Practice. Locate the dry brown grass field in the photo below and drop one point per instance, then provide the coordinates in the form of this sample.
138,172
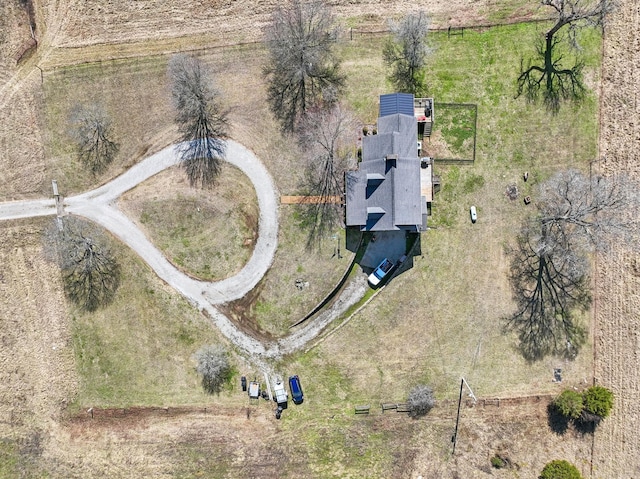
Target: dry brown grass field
55,361
617,281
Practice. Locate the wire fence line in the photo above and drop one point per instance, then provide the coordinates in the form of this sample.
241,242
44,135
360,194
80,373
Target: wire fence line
450,30
461,161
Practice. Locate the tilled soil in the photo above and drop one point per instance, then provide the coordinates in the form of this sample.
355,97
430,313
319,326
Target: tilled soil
617,308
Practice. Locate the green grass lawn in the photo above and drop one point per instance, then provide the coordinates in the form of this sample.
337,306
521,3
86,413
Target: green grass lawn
443,318
434,323
207,233
138,349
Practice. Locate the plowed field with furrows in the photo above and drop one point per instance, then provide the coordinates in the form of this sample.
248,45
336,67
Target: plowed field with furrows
617,309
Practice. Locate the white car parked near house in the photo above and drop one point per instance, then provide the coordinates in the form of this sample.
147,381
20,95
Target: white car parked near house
380,272
474,214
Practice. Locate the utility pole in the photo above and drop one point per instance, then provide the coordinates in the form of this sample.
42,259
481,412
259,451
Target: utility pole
454,439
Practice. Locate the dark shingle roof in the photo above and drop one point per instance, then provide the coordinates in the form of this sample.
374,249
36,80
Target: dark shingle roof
384,193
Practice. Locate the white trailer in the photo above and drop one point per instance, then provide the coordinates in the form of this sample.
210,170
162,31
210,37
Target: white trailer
280,394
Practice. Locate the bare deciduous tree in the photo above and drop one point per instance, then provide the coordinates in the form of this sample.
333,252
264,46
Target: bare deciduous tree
407,53
547,76
420,400
213,365
201,120
302,70
327,136
587,213
549,286
92,133
90,273
549,265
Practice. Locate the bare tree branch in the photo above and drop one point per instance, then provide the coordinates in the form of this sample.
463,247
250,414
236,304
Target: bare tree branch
546,76
213,365
549,265
91,130
90,273
202,121
327,136
407,53
588,214
421,400
302,70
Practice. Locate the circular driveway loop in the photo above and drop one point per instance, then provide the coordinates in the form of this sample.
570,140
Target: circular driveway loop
99,205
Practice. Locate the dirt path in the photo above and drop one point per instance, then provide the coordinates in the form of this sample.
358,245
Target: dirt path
616,450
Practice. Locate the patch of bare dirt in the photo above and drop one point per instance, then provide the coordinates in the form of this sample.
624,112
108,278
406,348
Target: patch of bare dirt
242,312
617,323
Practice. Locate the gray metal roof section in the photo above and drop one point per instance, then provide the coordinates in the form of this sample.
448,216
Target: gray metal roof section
397,135
384,194
394,103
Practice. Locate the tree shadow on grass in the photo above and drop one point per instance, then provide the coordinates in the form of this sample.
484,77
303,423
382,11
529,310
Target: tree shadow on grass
557,422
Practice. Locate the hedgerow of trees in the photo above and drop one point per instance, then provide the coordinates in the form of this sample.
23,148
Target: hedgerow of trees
214,367
202,121
90,271
590,406
302,70
406,53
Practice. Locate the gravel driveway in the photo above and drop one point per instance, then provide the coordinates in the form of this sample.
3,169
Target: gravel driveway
100,206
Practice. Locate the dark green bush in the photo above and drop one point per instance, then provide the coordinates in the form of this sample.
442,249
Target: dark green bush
560,469
598,400
569,404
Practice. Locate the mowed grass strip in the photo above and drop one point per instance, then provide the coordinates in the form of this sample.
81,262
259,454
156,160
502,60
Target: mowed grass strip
207,233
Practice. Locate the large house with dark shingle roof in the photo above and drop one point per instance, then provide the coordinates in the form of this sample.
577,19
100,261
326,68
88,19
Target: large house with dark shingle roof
384,193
